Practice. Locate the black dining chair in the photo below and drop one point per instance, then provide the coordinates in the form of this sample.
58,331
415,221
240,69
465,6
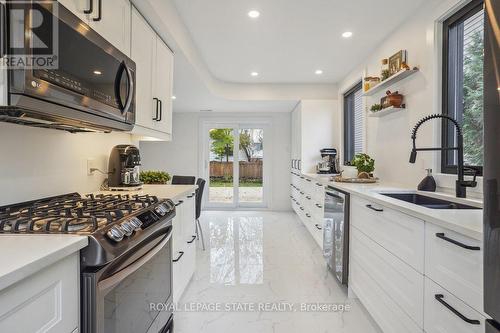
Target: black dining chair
199,196
183,180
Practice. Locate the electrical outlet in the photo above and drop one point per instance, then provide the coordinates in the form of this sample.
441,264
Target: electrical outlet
91,164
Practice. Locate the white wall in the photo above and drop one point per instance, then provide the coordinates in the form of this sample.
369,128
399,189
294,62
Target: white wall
38,163
182,155
388,138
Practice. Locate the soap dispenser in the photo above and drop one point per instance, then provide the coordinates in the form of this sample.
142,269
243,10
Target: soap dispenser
428,184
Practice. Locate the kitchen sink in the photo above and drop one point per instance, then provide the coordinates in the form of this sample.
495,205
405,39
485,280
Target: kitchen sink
429,202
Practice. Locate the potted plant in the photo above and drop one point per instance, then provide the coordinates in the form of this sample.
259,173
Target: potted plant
376,107
364,164
154,177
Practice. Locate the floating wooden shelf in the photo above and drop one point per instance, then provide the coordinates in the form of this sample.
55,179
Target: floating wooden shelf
384,112
390,81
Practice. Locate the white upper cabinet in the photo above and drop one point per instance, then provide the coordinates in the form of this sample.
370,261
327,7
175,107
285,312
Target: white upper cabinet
154,67
111,19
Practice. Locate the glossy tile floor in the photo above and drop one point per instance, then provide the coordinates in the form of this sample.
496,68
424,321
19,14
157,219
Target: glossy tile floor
263,272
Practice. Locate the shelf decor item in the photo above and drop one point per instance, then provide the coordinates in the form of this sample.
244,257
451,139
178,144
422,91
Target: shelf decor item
376,107
394,99
154,177
397,62
370,82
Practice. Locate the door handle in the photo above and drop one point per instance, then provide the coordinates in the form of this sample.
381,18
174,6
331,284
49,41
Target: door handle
179,257
99,13
130,88
319,206
375,209
440,299
457,243
3,33
318,227
192,240
156,110
308,197
308,215
90,9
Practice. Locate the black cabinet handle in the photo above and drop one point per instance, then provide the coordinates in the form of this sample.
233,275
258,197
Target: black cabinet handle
440,299
462,245
318,227
307,179
298,203
192,240
157,106
302,193
301,208
309,216
375,209
190,196
99,15
318,184
161,110
91,8
179,203
319,206
302,177
179,257
308,197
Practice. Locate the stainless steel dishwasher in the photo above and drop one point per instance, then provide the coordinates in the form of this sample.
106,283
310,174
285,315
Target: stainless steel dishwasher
336,233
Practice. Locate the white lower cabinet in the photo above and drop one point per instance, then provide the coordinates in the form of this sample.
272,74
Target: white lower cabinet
307,201
48,301
445,313
184,245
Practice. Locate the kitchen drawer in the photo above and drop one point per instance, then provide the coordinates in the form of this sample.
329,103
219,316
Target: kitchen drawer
388,315
400,234
400,282
441,319
458,269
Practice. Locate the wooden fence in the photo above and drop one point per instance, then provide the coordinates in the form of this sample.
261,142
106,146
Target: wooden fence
248,170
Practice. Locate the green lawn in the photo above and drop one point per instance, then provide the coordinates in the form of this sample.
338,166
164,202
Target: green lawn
229,183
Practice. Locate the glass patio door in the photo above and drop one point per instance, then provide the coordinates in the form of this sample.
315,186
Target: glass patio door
234,165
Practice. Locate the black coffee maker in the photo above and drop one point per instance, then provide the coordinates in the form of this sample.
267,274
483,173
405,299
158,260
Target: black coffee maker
123,168
329,162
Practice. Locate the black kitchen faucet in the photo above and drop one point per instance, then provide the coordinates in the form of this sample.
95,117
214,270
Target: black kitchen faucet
461,184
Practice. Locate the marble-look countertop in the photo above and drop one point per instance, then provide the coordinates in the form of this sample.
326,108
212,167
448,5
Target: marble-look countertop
173,192
24,255
466,222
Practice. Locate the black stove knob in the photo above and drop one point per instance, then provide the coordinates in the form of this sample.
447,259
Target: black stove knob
115,233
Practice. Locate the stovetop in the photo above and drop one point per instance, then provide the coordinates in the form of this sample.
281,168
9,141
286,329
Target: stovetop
75,214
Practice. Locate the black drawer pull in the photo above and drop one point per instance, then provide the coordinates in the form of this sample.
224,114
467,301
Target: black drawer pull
462,245
192,240
90,10
308,197
298,203
179,257
301,192
190,196
318,227
99,15
318,184
301,208
302,177
308,215
179,203
440,299
319,206
375,209
308,180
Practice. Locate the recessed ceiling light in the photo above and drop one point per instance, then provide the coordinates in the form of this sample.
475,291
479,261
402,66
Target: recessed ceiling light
318,72
347,34
96,72
253,14
173,97
254,74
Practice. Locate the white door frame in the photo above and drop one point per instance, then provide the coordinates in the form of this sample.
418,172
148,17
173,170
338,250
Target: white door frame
236,125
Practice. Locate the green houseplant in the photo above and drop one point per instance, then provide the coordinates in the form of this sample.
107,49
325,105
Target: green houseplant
364,163
154,177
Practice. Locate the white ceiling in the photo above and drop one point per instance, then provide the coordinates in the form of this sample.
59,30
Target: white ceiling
291,38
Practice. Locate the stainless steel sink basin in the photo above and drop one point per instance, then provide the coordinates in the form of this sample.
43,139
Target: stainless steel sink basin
429,202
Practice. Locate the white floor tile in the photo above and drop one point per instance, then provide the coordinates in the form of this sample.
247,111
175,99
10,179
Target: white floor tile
257,259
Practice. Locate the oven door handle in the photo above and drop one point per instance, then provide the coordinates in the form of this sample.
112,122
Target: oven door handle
115,279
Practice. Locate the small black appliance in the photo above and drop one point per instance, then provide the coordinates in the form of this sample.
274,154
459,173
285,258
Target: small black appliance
123,168
329,163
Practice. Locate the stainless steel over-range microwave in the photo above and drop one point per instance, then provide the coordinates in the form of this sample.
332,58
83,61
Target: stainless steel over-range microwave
91,85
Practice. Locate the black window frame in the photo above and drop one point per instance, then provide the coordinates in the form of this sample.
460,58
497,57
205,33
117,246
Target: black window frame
349,123
448,131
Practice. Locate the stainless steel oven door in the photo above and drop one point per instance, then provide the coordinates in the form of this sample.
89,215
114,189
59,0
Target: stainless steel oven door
135,299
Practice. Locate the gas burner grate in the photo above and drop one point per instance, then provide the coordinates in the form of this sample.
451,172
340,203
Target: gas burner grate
71,213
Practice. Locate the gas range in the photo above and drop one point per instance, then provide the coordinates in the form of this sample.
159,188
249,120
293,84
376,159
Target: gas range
129,239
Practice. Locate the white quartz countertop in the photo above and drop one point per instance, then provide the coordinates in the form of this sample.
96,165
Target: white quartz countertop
173,192
24,255
464,221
